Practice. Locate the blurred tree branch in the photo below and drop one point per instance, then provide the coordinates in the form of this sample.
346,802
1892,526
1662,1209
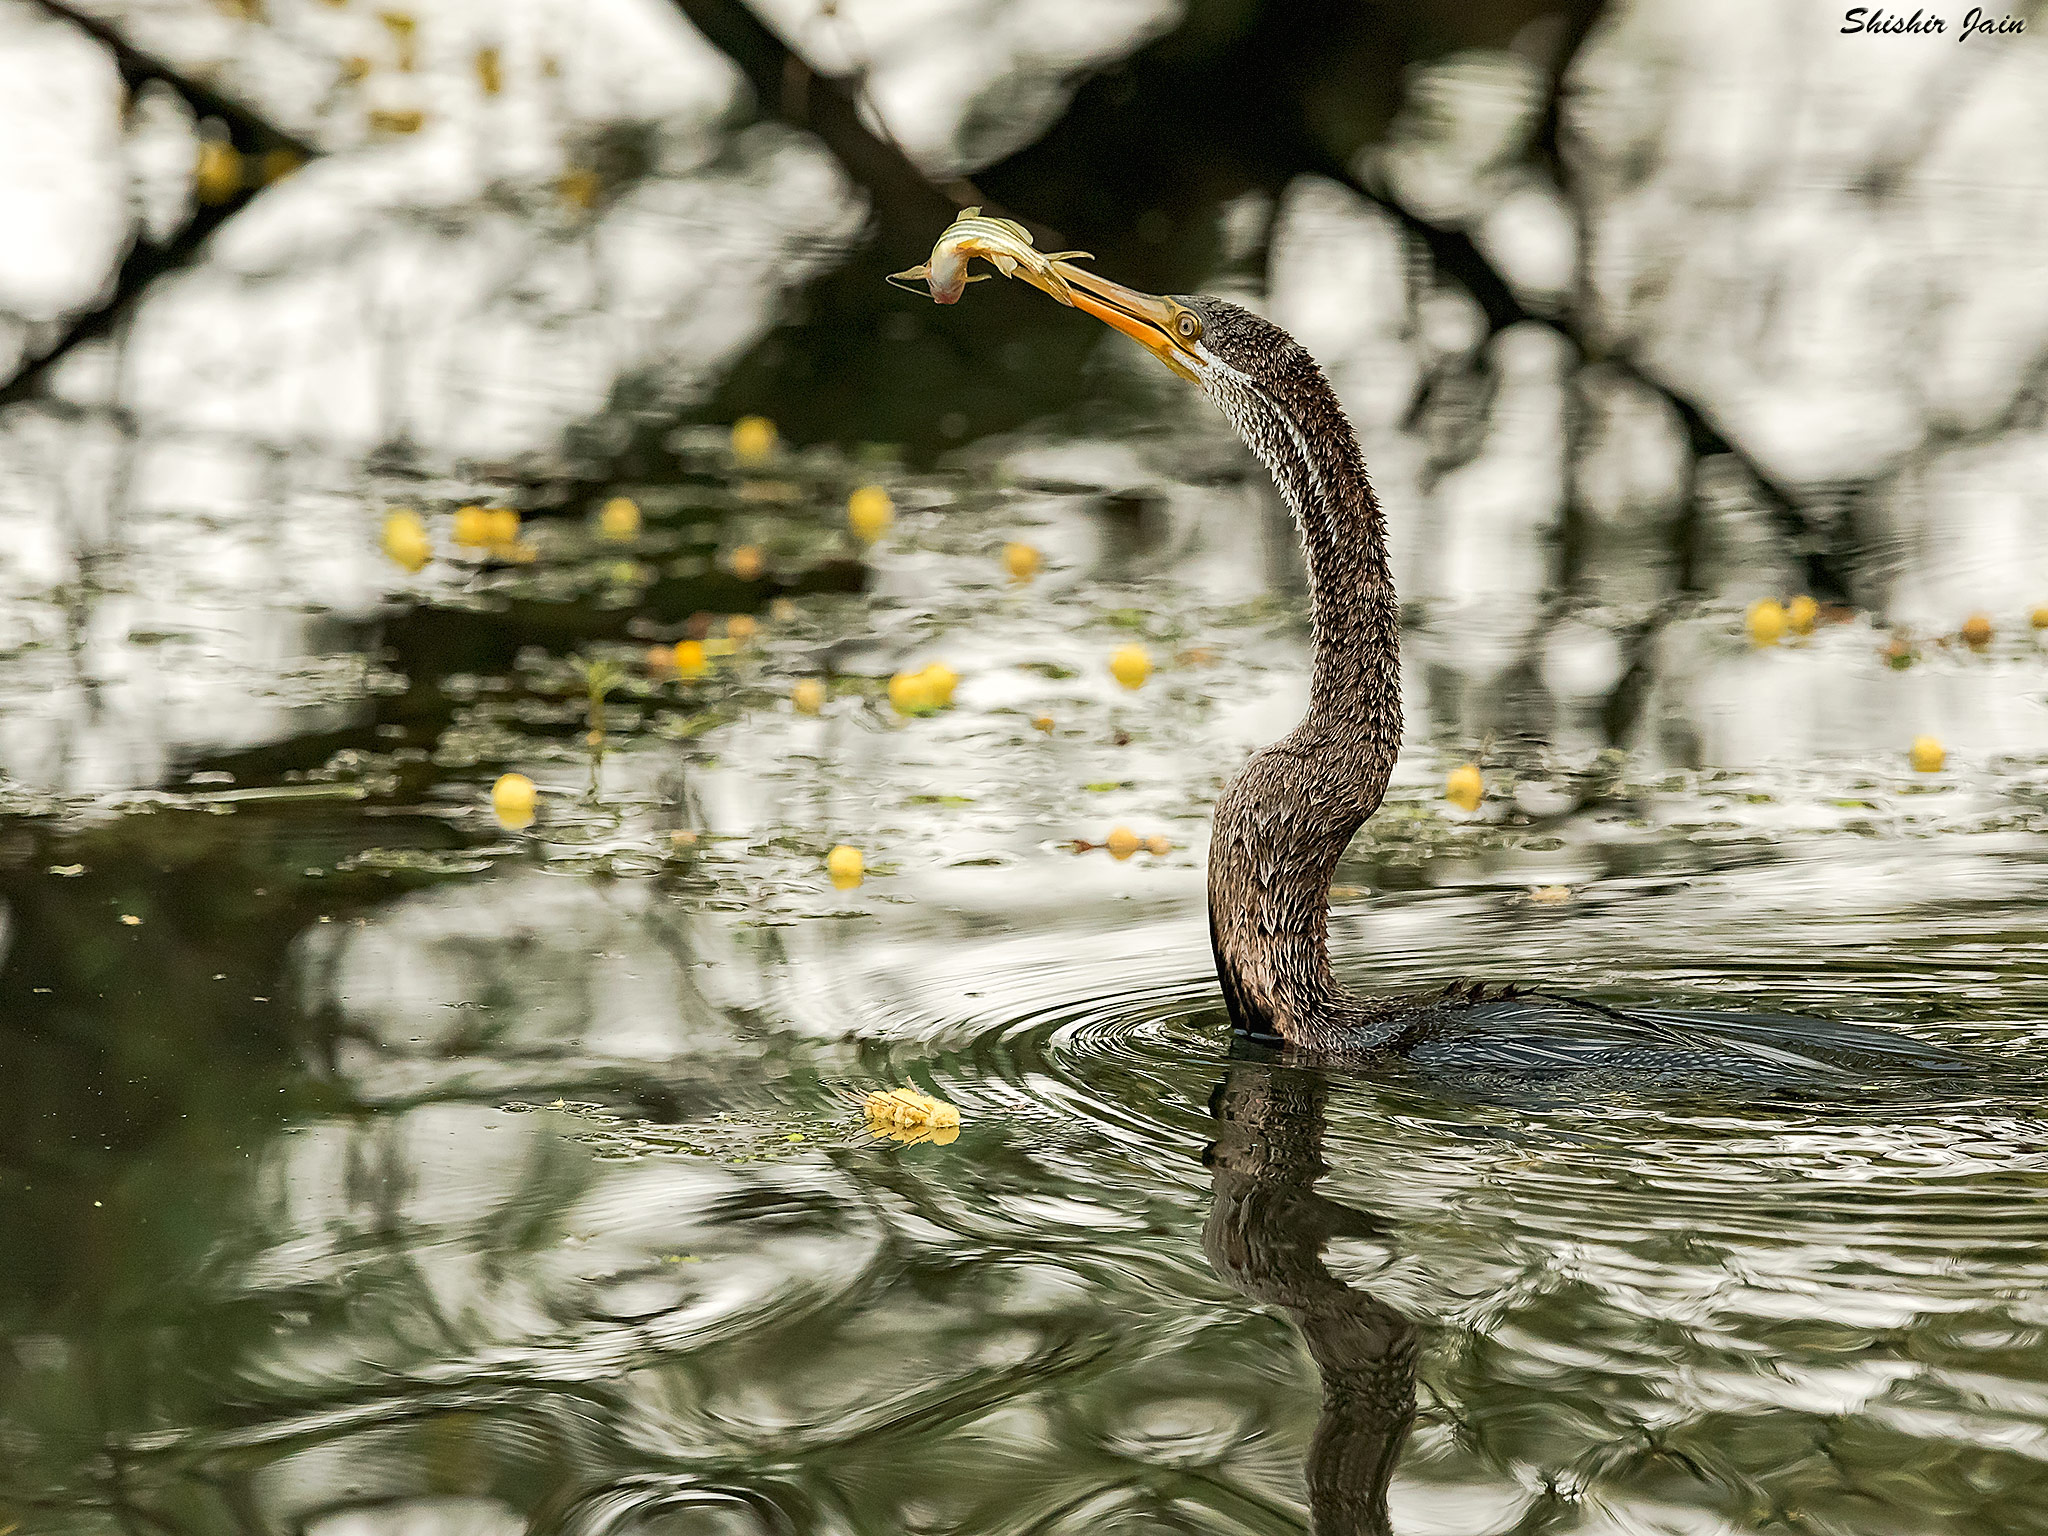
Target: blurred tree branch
903,198
252,136
910,208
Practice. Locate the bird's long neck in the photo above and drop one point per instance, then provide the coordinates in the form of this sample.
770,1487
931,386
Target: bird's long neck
1284,822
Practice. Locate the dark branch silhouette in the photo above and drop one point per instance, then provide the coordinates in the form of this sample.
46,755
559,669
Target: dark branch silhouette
147,260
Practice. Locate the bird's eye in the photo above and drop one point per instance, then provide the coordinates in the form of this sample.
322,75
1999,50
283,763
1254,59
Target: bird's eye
1189,326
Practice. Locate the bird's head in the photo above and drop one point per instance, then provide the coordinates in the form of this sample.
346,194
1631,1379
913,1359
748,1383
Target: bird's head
1206,340
1264,380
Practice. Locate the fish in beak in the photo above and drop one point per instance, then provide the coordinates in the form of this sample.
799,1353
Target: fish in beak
1163,327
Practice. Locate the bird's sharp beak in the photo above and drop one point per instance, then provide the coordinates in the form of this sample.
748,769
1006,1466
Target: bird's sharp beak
1153,322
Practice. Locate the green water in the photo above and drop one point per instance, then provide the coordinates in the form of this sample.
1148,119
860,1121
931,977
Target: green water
393,1173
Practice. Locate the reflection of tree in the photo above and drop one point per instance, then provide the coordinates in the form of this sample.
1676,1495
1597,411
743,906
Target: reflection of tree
149,259
1266,1232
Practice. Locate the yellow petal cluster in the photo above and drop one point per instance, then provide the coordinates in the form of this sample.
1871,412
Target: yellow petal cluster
869,512
1131,665
1464,787
753,440
405,539
512,801
846,866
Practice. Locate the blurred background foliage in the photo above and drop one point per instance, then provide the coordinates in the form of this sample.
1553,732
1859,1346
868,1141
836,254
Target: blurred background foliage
384,1171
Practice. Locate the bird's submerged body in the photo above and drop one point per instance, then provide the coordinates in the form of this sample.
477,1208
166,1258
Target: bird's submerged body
1285,820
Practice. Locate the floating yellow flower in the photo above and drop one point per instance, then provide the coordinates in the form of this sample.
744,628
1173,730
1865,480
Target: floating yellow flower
474,527
1928,755
405,539
1464,788
1042,723
504,525
741,628
1021,561
1158,846
1977,631
910,693
807,696
1122,842
619,518
909,1115
940,680
748,563
1766,621
2039,617
1800,613
753,440
869,512
512,800
689,658
1550,895
1131,665
660,658
217,174
845,866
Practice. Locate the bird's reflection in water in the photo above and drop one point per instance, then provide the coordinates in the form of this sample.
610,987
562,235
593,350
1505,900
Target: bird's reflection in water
1266,1233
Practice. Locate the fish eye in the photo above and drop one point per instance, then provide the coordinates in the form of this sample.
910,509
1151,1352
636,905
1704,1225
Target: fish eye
1189,326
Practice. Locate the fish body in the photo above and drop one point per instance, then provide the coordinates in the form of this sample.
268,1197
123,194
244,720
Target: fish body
1003,243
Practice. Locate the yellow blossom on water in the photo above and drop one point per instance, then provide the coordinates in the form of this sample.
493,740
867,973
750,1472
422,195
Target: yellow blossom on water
512,800
807,695
1042,723
620,518
1131,665
910,693
869,512
131,919
940,680
1928,755
1800,613
1766,621
911,1117
753,440
845,866
1122,842
660,658
689,658
741,628
217,174
1977,631
1021,561
474,527
1550,895
504,525
405,538
490,72
1158,846
1464,788
748,563
2039,617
